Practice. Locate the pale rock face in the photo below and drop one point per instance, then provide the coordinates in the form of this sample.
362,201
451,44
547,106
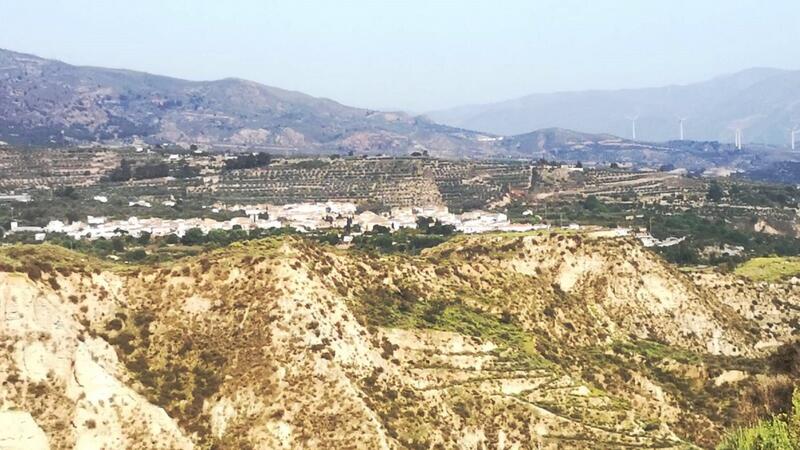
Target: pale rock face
472,439
573,269
221,414
730,376
581,391
35,360
195,305
108,413
22,314
18,431
763,227
47,350
251,136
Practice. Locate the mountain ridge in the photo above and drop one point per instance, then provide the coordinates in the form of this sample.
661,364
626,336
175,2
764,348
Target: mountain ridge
709,105
49,102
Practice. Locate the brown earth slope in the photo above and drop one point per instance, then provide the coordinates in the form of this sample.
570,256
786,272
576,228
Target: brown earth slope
492,341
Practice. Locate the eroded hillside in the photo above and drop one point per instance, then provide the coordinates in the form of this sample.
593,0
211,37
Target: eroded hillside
493,341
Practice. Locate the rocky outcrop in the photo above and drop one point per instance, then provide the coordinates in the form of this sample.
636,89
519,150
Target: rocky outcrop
68,379
18,431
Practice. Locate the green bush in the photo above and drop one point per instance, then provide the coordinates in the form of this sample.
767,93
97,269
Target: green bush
193,236
715,192
136,255
781,432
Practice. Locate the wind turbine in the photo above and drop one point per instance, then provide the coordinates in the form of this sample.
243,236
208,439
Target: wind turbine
680,125
633,120
794,131
738,138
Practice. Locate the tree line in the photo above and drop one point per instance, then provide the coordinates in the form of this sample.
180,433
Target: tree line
126,171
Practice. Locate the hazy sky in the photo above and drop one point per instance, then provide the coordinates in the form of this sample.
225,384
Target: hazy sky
414,54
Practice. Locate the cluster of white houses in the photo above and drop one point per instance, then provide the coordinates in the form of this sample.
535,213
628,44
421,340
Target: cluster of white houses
306,217
302,216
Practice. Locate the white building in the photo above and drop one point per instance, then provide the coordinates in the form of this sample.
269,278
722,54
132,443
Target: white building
649,241
620,232
22,198
55,226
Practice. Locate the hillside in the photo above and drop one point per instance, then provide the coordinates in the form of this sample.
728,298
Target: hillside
762,102
481,341
46,102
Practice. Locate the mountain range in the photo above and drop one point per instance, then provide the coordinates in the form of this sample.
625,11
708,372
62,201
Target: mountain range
46,102
763,102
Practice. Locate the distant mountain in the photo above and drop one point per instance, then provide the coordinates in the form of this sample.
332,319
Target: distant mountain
763,102
46,102
50,103
566,145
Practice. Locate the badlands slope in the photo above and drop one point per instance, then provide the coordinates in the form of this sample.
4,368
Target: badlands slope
493,341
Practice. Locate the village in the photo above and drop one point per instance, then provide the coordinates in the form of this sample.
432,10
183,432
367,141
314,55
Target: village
81,194
309,217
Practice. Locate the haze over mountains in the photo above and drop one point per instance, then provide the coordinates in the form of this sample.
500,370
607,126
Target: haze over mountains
46,102
763,102
53,104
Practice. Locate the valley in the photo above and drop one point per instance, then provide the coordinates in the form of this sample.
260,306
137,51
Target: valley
254,301
193,258
116,195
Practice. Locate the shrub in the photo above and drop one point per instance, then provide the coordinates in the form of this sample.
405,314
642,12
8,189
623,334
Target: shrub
248,161
193,236
780,432
136,255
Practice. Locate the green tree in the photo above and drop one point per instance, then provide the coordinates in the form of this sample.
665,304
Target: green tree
186,171
715,191
380,229
118,244
219,237
66,192
136,255
102,246
592,203
144,238
441,229
122,173
193,236
423,223
383,242
72,216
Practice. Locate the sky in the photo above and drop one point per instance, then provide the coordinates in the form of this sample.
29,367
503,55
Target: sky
415,55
